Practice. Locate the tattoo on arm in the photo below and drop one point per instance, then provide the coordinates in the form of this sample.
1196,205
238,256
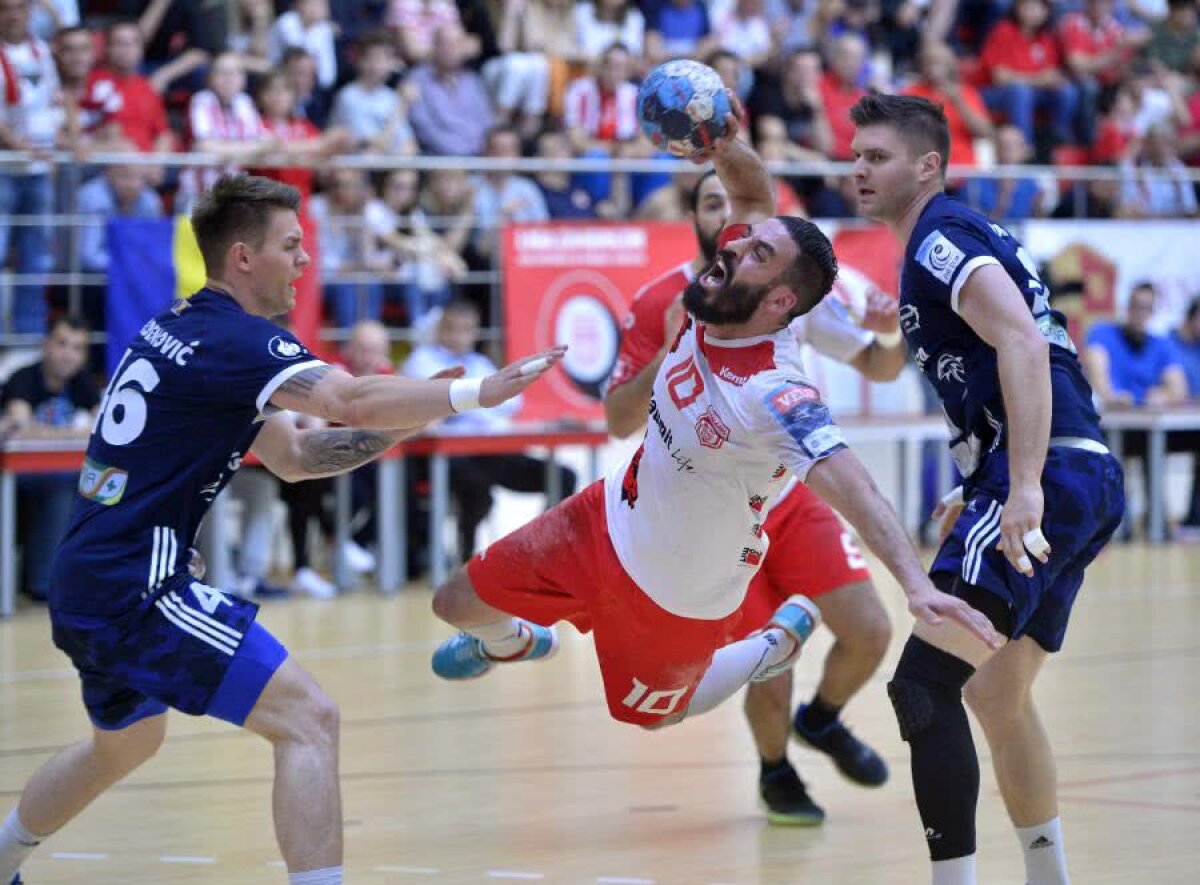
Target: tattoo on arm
302,383
325,452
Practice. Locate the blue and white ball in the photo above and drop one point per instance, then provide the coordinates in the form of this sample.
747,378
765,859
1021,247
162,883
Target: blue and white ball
682,107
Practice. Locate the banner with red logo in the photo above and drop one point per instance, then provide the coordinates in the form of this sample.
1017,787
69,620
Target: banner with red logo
571,283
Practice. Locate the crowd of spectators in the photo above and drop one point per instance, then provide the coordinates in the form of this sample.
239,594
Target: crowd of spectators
264,83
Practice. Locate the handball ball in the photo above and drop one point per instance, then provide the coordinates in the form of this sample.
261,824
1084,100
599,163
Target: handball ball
682,107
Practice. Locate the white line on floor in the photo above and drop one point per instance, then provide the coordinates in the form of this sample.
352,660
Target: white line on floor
179,858
622,880
504,874
78,855
419,871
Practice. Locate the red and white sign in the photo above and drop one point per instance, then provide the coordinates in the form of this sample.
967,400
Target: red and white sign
571,283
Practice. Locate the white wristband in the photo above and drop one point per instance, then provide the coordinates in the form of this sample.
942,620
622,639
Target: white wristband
464,393
889,339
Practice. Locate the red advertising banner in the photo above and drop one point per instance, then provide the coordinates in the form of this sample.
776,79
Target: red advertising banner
571,283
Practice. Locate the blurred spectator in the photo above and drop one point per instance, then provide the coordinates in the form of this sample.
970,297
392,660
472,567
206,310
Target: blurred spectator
672,201
299,140
792,109
346,218
742,29
1116,128
1097,48
312,102
476,18
786,201
29,122
308,26
54,398
1009,198
451,112
519,80
182,37
257,491
965,111
370,109
74,55
900,34
1186,339
415,24
306,502
1094,199
1189,133
1154,183
563,198
1175,39
427,262
368,352
249,30
600,113
840,89
121,192
125,102
223,121
502,197
51,16
677,29
448,199
602,23
1127,365
472,478
737,77
546,30
789,21
1023,65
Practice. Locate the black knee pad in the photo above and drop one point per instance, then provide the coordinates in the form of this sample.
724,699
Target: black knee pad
927,681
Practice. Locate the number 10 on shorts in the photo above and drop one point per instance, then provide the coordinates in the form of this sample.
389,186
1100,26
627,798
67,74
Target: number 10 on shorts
654,703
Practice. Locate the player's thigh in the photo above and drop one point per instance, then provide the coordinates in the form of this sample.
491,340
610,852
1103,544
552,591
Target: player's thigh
129,746
854,613
292,706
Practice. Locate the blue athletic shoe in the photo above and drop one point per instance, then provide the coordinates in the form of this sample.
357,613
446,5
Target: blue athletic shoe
463,657
799,619
16,880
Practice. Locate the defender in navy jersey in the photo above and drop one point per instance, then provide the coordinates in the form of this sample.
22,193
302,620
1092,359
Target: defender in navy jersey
1039,483
196,390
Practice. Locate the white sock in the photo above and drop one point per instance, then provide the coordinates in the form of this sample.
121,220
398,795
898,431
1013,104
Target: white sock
957,871
1045,860
503,639
16,844
735,664
327,876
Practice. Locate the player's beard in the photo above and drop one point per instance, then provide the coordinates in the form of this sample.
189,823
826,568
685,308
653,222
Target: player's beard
708,244
731,305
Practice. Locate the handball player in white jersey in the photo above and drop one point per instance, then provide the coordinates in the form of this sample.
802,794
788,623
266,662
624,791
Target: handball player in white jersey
812,553
656,558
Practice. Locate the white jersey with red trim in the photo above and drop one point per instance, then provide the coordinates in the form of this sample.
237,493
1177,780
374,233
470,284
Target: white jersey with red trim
729,420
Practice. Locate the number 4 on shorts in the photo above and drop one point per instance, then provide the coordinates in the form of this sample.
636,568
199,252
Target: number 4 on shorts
210,598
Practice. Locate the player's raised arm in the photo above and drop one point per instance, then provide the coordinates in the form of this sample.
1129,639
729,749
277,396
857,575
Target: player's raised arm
747,181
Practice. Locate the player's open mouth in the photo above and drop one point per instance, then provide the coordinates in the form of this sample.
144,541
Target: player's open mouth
863,193
715,276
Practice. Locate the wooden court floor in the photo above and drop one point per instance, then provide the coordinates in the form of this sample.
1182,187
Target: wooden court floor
522,776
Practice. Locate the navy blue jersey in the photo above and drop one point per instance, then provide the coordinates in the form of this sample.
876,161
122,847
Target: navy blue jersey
949,242
183,407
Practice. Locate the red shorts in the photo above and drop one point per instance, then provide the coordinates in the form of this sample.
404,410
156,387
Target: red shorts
811,553
562,567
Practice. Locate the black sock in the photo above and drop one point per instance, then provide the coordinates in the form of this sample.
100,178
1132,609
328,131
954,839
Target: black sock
819,714
766,769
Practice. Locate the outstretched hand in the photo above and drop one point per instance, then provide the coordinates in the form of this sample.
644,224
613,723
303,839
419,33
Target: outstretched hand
733,128
932,606
516,376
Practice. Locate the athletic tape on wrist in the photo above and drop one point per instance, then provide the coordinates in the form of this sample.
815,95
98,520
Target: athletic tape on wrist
889,339
464,393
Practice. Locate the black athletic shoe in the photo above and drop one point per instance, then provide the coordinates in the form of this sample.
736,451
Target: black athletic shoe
787,801
853,758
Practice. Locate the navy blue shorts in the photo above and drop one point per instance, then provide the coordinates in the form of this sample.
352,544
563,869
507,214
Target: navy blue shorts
187,646
1085,502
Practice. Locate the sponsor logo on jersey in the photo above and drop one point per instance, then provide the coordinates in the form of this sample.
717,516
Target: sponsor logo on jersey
780,472
283,349
167,344
950,368
823,440
910,318
102,484
712,431
757,502
684,383
750,556
756,530
732,377
663,430
682,462
939,256
785,398
921,357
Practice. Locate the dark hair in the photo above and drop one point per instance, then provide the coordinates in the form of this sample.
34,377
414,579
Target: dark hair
502,129
695,196
458,304
375,40
920,122
812,274
269,79
72,321
1144,284
720,55
118,23
1193,309
292,53
238,209
70,31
